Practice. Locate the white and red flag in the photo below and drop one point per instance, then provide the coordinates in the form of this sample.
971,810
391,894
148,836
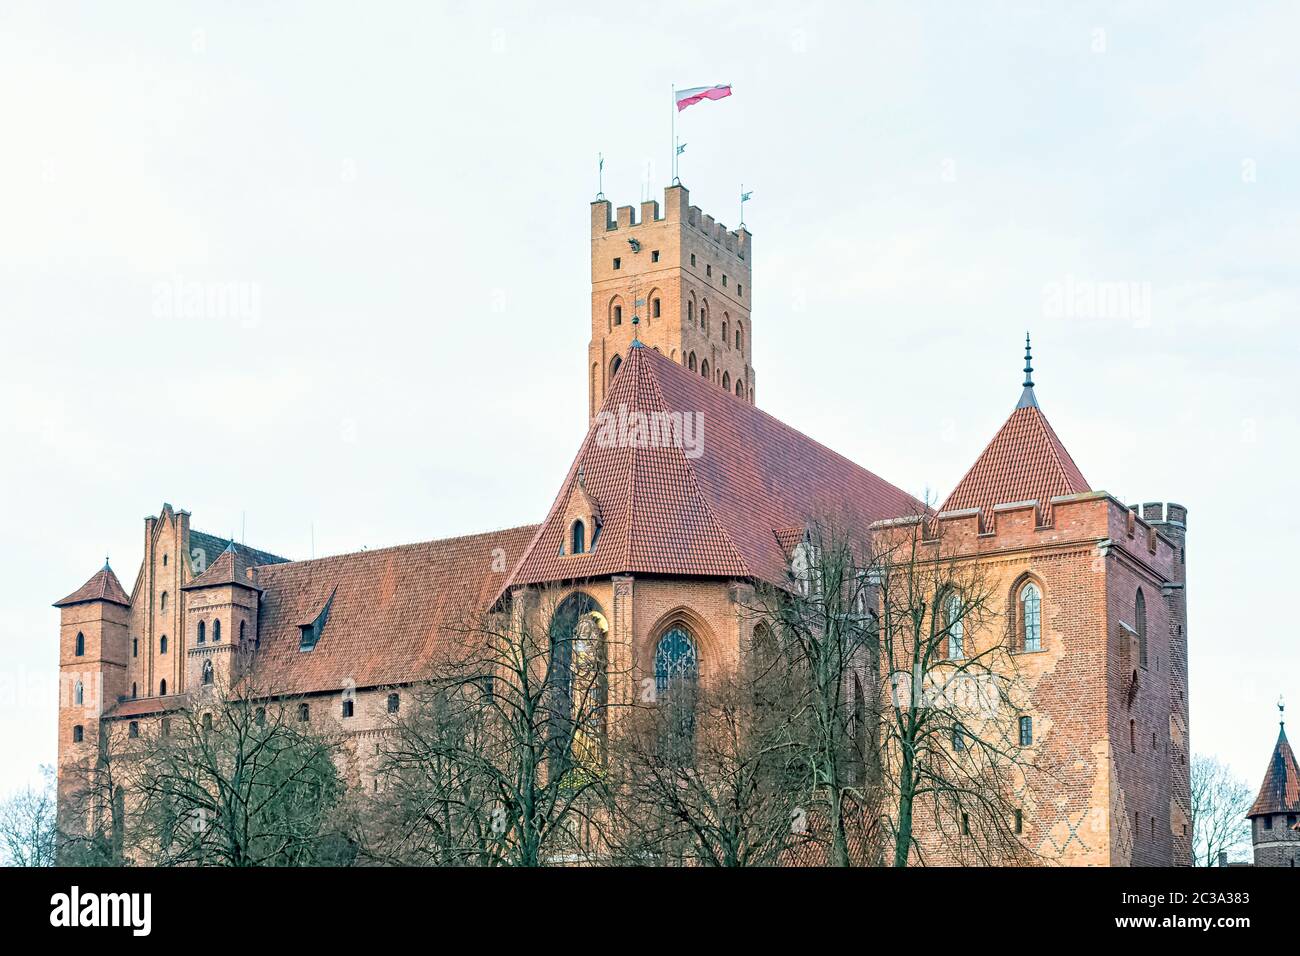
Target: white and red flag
692,96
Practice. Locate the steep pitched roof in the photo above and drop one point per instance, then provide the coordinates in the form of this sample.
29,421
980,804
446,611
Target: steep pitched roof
1025,461
710,503
1280,792
391,613
213,545
103,586
231,567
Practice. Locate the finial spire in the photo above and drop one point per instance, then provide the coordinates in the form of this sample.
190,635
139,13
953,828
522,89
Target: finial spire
636,321
106,567
1281,711
1027,399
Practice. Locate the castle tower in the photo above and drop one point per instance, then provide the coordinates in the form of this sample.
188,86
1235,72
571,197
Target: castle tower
93,623
221,616
678,281
1275,815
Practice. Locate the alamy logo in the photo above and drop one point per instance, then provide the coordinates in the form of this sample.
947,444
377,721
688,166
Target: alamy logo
103,909
684,430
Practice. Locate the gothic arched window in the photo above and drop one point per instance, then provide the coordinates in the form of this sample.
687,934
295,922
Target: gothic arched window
162,645
81,644
163,602
1031,617
207,672
79,693
579,539
162,688
203,632
676,661
690,362
704,368
740,336
740,388
614,366
1140,622
216,631
726,381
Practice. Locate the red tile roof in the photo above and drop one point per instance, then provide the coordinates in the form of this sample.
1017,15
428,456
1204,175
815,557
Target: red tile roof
393,610
1025,461
103,586
713,514
231,567
1280,792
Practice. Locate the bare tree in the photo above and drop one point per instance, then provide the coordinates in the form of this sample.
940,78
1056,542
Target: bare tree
710,775
504,759
28,828
1220,802
236,778
951,757
824,640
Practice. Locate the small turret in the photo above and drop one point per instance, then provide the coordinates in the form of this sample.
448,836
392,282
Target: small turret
1275,815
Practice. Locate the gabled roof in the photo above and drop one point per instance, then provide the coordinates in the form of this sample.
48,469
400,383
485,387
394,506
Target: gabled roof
709,504
1025,461
1280,792
231,567
103,586
393,610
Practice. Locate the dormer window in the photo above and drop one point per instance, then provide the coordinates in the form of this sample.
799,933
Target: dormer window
310,631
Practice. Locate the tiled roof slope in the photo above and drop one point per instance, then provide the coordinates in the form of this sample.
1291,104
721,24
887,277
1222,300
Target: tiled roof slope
213,545
231,567
391,613
1025,461
1280,792
103,586
716,514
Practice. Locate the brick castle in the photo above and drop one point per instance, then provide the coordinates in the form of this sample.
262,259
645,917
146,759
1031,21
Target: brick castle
668,540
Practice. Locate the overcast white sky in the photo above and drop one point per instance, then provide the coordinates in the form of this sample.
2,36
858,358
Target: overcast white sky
403,190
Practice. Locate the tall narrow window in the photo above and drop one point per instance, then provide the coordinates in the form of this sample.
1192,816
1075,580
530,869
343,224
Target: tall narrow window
1031,617
704,368
579,537
162,688
726,381
956,629
303,713
81,644
614,366
690,362
654,310
135,647
79,694
216,631
135,690
1140,622
677,669
348,708
1020,821
1026,731
207,672
162,644
241,633
618,315
394,703
1132,736
203,632
133,729
740,336
164,601
77,734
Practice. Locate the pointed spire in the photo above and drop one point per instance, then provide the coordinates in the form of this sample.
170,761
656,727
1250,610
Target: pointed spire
1281,713
106,567
1027,399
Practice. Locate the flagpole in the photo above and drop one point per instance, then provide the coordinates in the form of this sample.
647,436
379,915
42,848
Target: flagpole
672,162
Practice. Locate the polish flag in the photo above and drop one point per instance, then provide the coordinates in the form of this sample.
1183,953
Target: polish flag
690,97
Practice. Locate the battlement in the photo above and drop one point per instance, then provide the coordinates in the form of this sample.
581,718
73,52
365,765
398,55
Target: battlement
676,210
1154,530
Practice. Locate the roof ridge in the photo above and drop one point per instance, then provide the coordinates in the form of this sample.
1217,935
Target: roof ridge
713,517
789,428
397,547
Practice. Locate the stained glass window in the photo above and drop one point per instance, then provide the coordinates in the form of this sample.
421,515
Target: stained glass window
1031,602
